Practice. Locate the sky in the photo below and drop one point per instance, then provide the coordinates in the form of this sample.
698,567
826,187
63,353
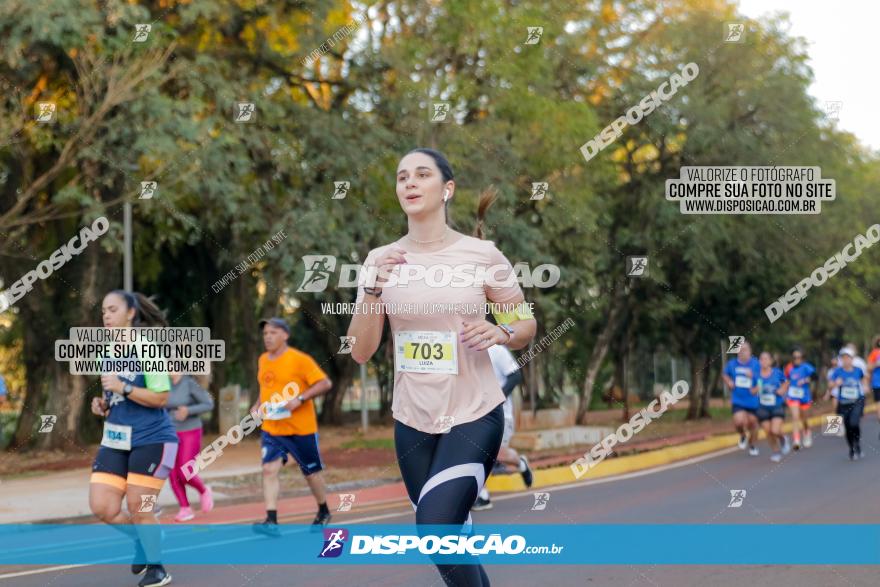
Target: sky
841,37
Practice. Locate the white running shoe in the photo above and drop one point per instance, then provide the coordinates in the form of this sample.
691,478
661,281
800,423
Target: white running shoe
753,451
743,442
786,445
808,440
776,457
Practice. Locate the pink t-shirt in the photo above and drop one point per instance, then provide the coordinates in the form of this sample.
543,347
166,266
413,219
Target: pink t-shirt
426,401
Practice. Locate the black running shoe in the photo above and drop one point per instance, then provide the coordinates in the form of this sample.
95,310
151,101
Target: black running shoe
268,528
155,577
527,476
138,568
481,504
321,518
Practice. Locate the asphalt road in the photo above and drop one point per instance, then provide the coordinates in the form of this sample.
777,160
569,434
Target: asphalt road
815,486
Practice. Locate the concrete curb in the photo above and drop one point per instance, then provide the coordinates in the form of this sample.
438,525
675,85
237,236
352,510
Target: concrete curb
617,466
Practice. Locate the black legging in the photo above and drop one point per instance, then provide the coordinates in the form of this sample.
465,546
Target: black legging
852,413
443,474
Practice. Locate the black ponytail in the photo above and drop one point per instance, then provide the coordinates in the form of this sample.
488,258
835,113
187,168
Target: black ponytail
146,312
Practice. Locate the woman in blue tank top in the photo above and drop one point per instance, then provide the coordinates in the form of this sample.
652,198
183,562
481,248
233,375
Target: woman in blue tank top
139,443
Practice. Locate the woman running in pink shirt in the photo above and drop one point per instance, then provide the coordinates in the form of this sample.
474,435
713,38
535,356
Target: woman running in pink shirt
447,403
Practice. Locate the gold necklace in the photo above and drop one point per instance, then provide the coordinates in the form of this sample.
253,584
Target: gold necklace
431,241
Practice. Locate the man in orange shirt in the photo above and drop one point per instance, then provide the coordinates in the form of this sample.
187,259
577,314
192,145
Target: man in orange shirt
289,427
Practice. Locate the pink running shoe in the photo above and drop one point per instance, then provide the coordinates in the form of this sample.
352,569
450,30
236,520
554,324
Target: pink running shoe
207,500
184,515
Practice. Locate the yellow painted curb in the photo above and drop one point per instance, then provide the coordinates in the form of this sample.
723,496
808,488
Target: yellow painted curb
617,466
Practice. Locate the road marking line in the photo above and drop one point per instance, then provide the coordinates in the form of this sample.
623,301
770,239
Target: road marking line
507,496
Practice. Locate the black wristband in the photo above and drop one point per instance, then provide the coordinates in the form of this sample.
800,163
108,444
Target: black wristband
373,291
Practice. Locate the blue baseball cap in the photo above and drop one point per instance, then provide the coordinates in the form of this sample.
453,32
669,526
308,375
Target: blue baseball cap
277,322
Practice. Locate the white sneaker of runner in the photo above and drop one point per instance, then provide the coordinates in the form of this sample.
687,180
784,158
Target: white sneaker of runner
776,457
786,445
808,440
753,451
743,442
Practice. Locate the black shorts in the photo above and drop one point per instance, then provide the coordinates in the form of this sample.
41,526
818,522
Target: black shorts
765,413
146,466
877,394
736,408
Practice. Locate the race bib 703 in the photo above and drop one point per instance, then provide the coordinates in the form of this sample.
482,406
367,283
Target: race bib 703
426,351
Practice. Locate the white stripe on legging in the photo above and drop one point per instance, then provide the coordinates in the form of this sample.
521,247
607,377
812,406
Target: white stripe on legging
474,470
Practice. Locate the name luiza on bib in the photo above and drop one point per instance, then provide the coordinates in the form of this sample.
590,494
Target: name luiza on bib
116,436
426,351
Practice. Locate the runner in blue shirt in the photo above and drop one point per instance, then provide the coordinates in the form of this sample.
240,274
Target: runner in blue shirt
849,383
770,390
874,372
741,375
139,442
799,399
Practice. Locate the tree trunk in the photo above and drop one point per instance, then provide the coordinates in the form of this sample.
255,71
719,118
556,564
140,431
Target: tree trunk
698,394
597,355
69,395
331,409
37,363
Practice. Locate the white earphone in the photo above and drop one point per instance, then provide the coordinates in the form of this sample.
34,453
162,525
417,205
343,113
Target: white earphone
445,195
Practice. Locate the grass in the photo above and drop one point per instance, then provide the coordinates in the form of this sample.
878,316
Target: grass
716,413
376,443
